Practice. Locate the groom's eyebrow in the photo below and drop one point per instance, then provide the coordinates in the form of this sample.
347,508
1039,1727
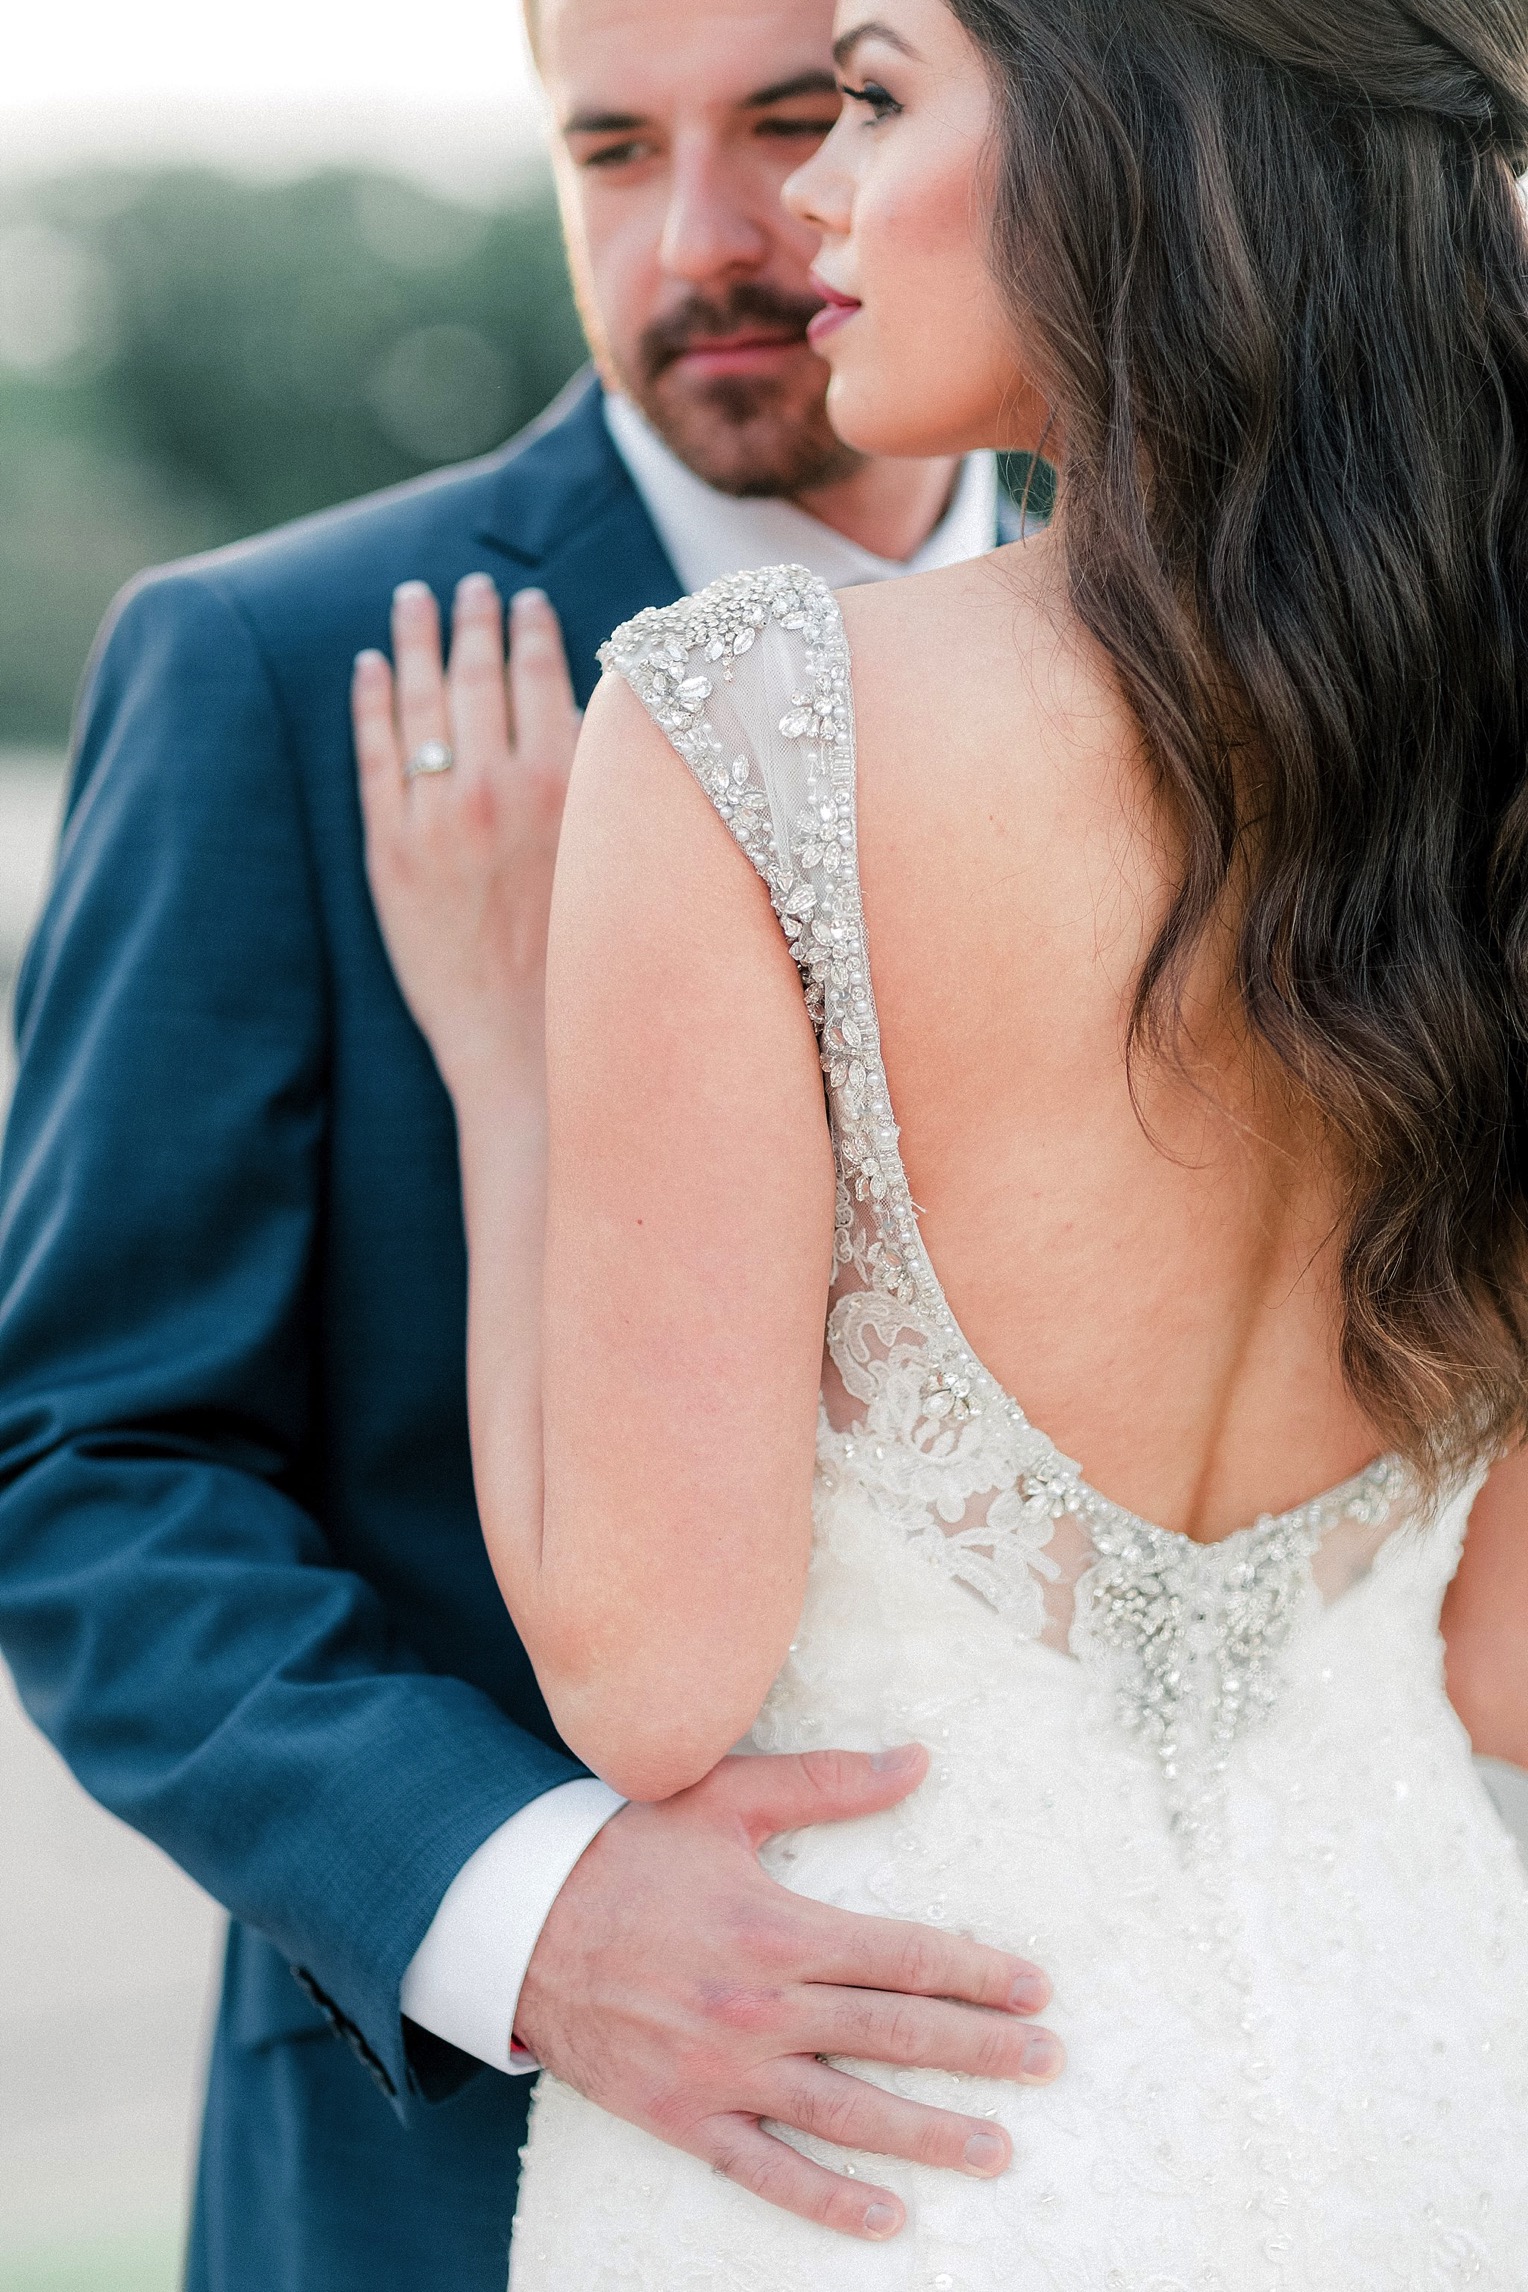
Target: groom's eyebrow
799,85
845,45
602,123
792,90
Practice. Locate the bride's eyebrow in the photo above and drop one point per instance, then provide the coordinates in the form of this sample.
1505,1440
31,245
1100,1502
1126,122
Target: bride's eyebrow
845,45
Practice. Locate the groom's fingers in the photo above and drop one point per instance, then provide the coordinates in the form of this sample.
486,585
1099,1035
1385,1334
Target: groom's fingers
852,1951
794,1791
925,2033
736,2147
814,2098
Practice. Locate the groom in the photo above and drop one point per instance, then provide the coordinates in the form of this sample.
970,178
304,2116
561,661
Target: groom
241,1581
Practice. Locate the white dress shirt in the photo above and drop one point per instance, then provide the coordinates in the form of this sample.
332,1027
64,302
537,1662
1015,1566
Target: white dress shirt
707,533
464,1980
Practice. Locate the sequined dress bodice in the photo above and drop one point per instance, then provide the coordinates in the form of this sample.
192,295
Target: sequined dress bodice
1216,1790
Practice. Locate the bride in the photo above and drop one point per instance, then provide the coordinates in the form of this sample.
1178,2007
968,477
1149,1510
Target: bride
1149,903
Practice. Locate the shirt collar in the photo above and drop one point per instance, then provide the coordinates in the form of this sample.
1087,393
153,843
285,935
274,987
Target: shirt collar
707,533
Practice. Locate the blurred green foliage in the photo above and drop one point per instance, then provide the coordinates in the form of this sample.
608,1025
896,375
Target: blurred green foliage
185,358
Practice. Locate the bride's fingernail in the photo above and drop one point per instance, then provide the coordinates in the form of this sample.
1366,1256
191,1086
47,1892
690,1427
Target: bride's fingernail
986,2154
475,585
529,597
407,592
1031,1993
880,2220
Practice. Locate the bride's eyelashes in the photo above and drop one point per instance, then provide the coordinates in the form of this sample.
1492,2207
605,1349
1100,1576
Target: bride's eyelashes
880,103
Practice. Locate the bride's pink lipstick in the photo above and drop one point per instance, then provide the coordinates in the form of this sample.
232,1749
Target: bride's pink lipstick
837,311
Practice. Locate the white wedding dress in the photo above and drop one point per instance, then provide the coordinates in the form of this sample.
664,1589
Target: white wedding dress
1217,1792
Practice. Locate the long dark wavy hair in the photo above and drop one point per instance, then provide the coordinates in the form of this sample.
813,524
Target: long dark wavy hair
1272,260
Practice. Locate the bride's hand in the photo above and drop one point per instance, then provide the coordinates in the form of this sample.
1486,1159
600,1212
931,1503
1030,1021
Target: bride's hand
461,860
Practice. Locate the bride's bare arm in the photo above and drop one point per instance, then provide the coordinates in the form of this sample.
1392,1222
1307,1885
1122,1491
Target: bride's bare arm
1485,1618
689,1250
643,1450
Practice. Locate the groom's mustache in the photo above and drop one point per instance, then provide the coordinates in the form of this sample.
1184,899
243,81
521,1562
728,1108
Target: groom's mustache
750,308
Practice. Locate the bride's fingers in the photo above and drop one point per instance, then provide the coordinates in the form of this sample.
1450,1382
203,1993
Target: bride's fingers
475,681
418,675
853,2115
544,712
378,755
736,2147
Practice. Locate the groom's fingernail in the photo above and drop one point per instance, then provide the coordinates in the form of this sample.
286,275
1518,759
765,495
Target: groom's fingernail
1043,2056
1031,1993
880,2220
986,2154
892,1762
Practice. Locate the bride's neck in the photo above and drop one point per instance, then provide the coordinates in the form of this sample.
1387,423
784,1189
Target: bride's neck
887,507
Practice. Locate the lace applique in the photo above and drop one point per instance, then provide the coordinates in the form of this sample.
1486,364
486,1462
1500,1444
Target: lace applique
955,1486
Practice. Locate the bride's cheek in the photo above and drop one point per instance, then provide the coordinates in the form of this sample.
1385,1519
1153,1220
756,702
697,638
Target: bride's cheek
917,372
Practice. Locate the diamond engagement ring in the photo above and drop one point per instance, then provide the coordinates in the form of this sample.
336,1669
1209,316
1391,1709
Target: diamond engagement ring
434,756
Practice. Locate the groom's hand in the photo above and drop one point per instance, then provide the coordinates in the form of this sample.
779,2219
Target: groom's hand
679,1987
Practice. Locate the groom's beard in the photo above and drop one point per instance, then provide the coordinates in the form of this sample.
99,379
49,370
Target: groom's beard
751,435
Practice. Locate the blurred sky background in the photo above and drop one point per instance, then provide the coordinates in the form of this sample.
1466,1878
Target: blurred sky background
252,261
445,95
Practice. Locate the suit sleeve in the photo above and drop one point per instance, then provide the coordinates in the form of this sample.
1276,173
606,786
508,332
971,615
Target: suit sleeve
175,1620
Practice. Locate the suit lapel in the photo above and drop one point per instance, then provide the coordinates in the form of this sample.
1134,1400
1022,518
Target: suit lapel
566,515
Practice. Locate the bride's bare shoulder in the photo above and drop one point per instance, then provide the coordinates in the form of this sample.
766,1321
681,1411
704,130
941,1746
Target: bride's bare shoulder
1023,576
988,646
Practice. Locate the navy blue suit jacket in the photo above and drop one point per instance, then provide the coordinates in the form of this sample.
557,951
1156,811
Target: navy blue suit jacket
242,1585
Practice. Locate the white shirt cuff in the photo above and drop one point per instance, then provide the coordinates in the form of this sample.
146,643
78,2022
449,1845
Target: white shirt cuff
464,1980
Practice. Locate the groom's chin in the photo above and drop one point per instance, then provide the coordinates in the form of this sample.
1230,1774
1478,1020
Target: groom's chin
751,435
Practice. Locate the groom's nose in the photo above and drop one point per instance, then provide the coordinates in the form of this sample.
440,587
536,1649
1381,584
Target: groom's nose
715,224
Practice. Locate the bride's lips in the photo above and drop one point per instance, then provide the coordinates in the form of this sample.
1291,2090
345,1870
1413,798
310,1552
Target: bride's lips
752,350
837,311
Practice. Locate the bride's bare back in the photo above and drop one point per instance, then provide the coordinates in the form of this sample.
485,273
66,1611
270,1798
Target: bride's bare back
1155,1278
